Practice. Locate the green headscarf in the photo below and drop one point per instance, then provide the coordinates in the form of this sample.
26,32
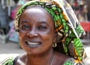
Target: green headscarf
66,25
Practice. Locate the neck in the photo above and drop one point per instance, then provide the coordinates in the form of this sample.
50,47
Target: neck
43,59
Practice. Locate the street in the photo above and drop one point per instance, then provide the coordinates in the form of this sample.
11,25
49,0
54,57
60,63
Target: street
10,48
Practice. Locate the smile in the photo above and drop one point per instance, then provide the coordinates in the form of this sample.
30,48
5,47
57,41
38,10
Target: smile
33,44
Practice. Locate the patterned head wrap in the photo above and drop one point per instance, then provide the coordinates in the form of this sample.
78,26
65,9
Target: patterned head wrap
66,25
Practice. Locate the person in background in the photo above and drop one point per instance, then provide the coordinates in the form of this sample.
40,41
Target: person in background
12,35
49,34
88,9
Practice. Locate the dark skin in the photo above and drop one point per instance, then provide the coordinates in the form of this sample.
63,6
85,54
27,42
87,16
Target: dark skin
37,34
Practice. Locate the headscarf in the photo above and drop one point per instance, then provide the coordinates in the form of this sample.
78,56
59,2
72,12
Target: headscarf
66,24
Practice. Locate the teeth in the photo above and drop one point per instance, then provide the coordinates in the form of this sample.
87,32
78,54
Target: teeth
32,43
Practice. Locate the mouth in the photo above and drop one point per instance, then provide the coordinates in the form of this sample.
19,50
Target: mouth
33,44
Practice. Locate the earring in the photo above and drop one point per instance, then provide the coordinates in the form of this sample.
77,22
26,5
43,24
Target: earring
54,45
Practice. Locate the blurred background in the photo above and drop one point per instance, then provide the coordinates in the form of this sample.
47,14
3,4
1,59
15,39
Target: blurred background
9,39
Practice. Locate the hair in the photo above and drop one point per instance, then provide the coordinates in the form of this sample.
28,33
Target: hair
68,41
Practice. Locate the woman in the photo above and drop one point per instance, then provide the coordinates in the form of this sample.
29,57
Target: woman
48,35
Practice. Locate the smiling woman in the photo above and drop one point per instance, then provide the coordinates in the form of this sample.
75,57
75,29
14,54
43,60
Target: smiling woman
49,34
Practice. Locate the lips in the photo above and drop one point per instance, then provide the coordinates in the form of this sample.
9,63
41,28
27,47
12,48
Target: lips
33,44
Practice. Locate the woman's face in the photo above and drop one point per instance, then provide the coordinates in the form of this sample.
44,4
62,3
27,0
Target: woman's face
37,32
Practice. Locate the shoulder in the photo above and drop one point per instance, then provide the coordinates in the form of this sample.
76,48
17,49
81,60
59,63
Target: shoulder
21,59
14,60
71,61
62,59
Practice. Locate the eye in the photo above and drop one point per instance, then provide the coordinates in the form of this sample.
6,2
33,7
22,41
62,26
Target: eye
25,27
42,27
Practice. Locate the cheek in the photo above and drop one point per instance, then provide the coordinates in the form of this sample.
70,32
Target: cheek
48,37
22,35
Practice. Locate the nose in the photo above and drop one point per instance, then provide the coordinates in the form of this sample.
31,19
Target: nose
32,33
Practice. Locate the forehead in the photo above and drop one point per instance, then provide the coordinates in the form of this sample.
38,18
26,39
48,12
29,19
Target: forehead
37,12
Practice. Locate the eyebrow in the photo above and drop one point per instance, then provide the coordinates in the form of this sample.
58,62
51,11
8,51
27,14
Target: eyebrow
23,21
44,22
